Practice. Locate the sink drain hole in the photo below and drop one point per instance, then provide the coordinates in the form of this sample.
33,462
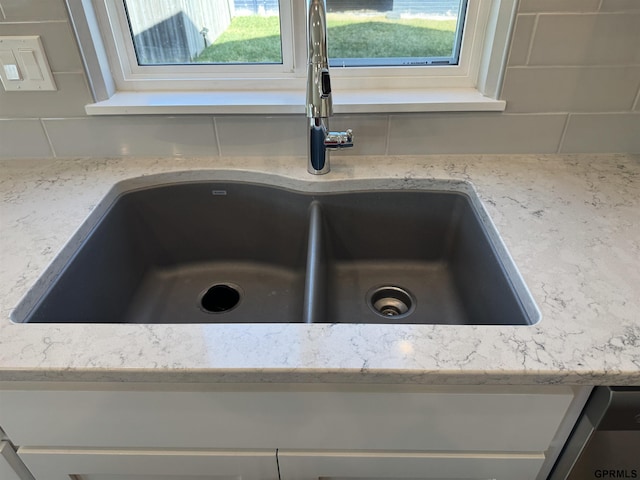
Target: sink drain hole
220,298
391,302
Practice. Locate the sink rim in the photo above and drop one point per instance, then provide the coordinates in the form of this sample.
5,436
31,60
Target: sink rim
463,187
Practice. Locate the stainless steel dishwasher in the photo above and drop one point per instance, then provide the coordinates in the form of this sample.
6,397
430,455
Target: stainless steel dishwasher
605,443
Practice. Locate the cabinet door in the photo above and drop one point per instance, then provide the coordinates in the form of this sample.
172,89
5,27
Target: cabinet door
301,465
111,464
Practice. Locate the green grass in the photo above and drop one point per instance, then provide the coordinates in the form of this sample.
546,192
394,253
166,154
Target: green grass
247,40
379,37
257,39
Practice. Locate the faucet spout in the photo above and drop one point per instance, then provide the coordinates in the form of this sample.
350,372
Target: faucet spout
319,104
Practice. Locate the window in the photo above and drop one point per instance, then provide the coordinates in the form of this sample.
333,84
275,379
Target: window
395,32
205,31
252,46
362,32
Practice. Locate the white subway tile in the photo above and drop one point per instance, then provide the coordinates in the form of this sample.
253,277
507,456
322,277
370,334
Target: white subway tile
602,133
30,10
589,39
58,41
475,133
570,89
23,138
132,135
287,135
68,101
535,6
521,40
261,135
620,6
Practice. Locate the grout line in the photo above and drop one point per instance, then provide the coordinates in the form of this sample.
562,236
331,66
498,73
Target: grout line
568,66
515,114
46,134
564,133
534,31
30,22
215,134
66,72
573,12
387,139
567,112
636,102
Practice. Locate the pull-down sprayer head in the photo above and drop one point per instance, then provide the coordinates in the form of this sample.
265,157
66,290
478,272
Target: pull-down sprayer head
319,103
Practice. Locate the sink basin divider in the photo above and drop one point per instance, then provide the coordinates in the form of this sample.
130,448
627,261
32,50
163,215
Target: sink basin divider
316,274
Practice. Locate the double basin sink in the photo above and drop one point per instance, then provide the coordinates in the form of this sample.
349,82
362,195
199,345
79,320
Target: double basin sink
195,248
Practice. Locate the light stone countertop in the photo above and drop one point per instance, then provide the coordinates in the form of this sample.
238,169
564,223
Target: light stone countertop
571,223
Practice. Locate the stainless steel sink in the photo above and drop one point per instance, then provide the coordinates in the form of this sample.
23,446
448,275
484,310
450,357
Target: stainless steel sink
161,250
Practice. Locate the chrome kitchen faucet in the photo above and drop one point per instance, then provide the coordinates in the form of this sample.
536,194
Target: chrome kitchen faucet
319,103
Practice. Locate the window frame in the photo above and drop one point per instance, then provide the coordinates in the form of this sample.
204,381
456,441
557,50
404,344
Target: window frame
114,75
129,75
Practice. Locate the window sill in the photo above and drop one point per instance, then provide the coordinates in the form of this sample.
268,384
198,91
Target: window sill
292,102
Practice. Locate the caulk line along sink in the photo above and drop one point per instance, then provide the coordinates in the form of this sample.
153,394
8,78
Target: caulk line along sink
207,247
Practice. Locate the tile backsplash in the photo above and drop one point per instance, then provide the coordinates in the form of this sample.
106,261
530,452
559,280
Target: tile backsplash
572,84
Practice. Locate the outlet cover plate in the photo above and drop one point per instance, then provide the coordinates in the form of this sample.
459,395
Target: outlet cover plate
23,64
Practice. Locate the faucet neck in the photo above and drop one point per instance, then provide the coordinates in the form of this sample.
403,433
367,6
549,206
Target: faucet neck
319,102
317,33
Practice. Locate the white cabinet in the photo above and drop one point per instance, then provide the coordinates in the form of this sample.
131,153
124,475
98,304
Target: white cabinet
132,464
299,465
244,432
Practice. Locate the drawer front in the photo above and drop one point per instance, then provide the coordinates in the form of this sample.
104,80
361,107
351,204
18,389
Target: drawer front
298,465
522,421
105,464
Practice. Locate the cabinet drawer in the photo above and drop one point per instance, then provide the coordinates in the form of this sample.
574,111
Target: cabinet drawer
107,464
451,419
298,465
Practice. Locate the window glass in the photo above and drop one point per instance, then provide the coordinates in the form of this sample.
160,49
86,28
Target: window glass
360,32
205,31
394,32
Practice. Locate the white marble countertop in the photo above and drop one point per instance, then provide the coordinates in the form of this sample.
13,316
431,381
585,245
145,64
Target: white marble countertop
571,223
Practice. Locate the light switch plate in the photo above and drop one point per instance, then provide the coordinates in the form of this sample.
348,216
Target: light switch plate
24,64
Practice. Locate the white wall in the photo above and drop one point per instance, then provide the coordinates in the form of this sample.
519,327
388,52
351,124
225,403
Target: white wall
572,85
